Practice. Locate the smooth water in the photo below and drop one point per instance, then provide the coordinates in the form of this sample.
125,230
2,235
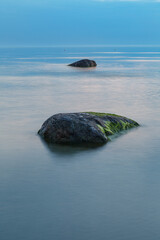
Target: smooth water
79,193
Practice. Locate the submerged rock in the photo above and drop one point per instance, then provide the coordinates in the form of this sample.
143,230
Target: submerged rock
84,63
87,127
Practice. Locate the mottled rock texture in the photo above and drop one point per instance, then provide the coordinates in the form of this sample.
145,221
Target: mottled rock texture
87,127
84,63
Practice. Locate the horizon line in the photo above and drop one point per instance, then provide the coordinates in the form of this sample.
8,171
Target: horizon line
80,45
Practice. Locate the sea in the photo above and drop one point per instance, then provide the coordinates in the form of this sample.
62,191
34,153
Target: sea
54,192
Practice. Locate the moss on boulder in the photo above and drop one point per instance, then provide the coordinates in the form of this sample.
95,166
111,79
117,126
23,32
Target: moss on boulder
114,123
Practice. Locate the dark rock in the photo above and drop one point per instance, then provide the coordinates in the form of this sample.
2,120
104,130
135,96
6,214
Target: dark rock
85,63
74,128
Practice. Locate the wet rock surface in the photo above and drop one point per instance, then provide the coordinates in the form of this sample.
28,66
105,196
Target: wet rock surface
76,128
84,63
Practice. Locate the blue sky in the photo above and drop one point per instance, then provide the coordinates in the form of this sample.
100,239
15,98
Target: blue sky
79,22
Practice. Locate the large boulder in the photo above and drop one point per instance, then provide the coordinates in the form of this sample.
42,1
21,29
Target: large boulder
84,63
87,127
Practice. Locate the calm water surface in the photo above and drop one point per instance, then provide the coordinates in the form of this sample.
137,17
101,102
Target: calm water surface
79,193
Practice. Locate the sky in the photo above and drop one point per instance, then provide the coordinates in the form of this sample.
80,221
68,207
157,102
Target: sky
79,22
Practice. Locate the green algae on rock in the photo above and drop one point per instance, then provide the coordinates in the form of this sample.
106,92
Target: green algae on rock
114,123
83,127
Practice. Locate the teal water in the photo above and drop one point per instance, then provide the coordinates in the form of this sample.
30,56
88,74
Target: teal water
79,193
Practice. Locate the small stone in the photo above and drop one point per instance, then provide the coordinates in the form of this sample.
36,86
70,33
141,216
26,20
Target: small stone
84,63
